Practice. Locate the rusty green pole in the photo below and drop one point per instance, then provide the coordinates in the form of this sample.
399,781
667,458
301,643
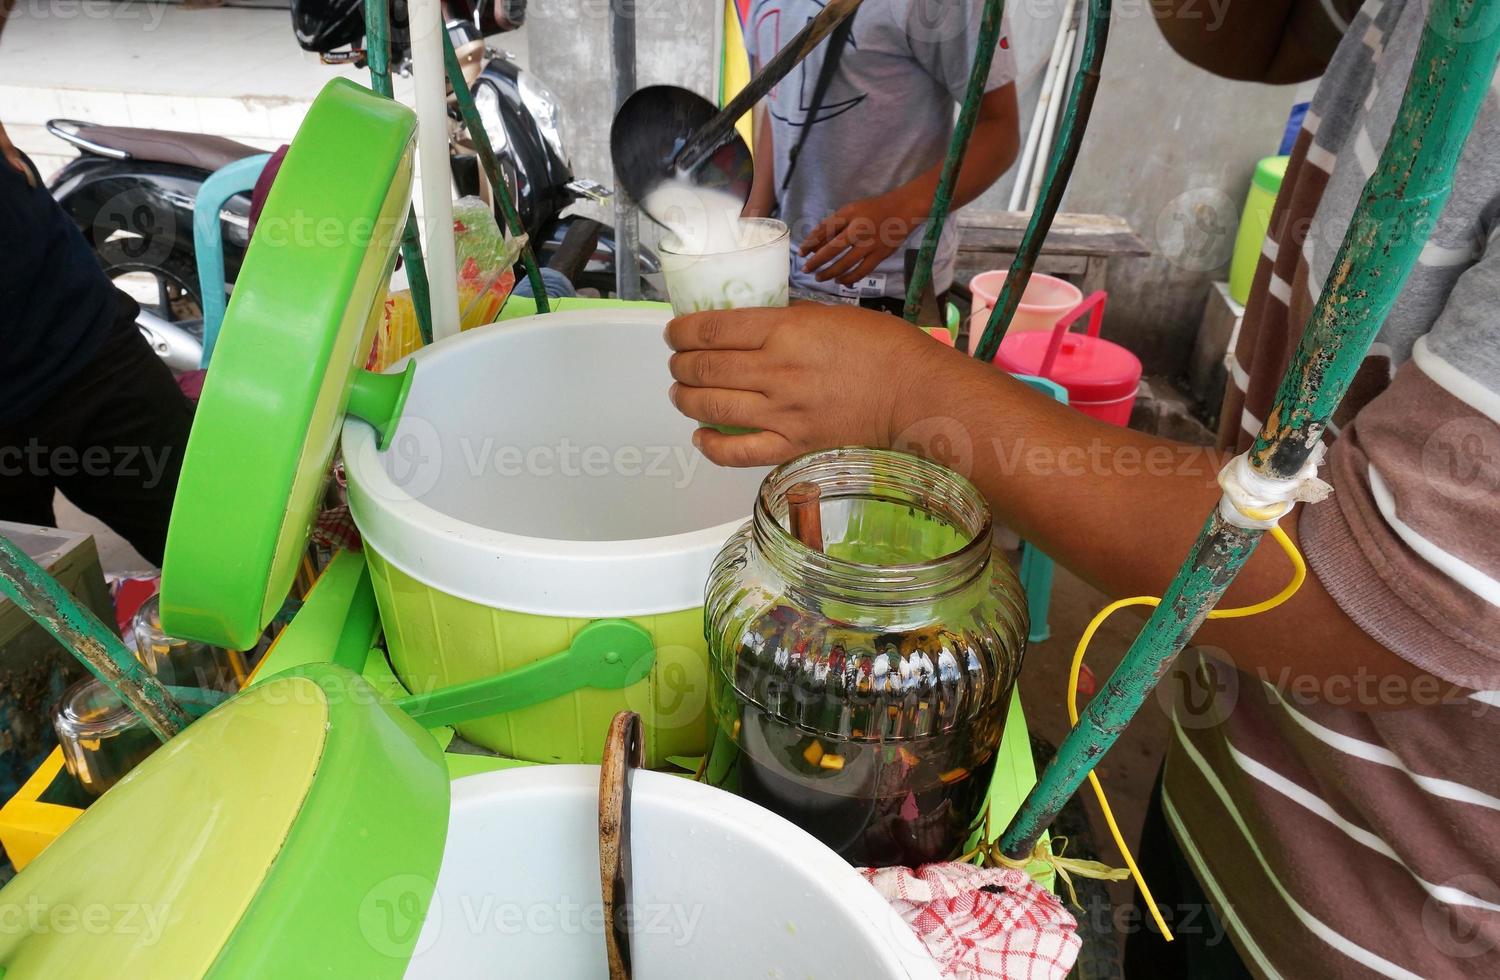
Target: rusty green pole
475,125
39,596
1075,120
1401,201
378,52
958,145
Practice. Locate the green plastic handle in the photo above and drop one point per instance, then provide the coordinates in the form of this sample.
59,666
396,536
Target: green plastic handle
379,398
607,654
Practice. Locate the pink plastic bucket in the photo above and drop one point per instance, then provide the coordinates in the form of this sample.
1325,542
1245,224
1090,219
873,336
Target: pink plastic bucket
1045,301
1101,377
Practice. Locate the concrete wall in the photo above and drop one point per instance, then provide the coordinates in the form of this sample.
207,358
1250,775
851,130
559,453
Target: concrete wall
1170,147
569,49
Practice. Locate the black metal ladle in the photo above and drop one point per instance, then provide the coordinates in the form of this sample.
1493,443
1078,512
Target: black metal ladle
664,132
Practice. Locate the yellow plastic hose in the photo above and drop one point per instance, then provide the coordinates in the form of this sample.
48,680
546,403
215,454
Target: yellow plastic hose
1299,575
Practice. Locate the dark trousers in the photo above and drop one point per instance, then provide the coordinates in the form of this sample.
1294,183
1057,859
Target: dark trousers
1201,949
111,439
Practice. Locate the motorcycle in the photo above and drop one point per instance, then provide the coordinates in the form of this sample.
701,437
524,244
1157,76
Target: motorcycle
520,115
131,191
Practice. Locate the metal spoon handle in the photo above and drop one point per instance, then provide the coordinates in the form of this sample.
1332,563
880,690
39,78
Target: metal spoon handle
713,133
623,752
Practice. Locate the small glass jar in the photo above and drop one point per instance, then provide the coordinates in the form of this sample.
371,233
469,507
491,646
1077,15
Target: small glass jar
861,691
101,738
182,663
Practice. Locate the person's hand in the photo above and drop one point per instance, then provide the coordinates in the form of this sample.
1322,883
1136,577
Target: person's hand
848,244
809,376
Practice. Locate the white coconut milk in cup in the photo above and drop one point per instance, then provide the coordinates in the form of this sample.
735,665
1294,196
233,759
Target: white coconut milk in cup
715,260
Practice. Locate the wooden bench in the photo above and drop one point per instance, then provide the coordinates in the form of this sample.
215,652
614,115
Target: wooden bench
1078,248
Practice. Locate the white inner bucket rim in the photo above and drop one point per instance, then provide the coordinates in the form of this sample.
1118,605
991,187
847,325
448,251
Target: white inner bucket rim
532,574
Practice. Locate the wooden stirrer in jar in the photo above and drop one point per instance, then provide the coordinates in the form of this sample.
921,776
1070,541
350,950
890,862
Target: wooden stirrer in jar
805,514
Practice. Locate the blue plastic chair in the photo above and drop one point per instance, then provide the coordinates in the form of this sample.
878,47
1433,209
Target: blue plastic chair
1036,566
208,243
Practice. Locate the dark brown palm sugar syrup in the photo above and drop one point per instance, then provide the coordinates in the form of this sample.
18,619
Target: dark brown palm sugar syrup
860,688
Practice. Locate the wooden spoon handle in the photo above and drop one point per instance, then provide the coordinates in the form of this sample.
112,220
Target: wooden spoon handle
623,752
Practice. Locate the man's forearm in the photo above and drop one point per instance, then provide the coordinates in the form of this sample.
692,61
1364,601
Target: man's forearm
1121,509
992,149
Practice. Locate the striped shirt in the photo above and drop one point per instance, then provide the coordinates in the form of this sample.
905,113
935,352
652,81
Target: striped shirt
1336,842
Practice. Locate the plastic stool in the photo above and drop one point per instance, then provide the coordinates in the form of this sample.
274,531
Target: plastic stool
1036,565
208,243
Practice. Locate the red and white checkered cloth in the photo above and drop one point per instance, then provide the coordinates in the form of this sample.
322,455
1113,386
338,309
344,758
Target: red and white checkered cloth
982,922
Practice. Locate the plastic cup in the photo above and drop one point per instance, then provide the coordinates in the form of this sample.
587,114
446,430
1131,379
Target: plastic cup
754,273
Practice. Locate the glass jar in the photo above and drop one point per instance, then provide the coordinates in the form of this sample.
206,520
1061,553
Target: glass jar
101,738
179,662
861,692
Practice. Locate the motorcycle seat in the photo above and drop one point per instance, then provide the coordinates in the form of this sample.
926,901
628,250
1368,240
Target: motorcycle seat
155,145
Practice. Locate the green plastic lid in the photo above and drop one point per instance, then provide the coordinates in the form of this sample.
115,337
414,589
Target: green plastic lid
287,368
1269,173
295,831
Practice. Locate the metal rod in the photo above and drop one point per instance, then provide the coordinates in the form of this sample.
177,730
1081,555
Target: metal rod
435,163
378,52
1449,82
475,125
41,597
627,213
958,146
1059,170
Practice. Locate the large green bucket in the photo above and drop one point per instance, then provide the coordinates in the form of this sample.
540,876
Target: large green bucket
540,480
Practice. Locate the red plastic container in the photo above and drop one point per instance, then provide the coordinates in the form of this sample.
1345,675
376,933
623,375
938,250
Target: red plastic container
1101,377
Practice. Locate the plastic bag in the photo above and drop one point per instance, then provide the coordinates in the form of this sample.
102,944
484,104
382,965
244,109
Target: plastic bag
485,256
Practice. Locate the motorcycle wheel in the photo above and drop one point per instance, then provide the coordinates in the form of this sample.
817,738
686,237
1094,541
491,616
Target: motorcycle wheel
167,287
